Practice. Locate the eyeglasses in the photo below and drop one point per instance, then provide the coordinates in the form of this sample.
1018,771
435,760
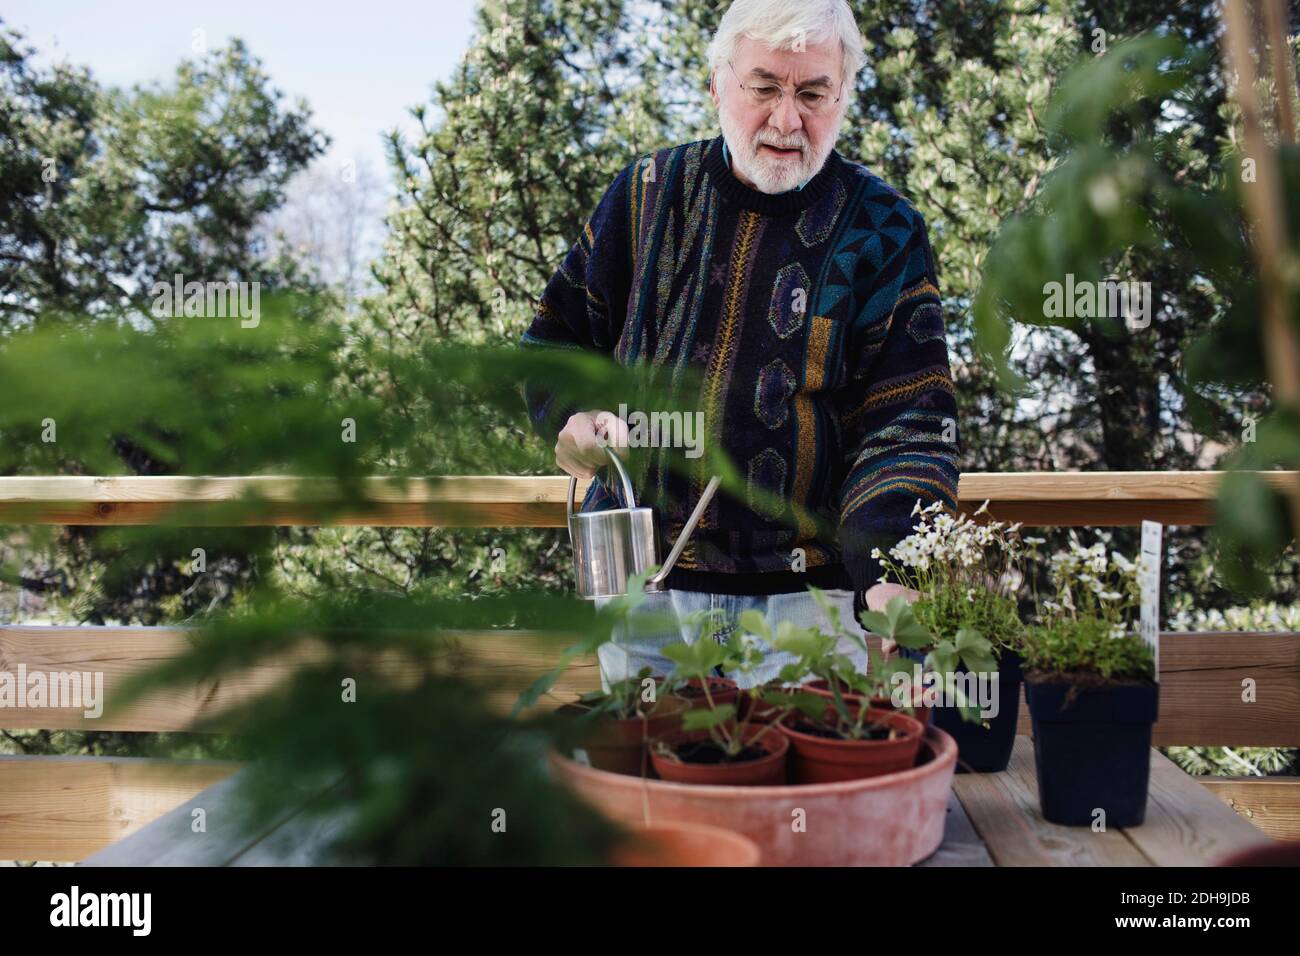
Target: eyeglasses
768,96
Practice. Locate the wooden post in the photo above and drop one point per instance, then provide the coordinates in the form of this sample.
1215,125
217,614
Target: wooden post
1266,212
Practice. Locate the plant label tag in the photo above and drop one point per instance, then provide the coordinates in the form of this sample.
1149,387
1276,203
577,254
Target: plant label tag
1149,582
581,757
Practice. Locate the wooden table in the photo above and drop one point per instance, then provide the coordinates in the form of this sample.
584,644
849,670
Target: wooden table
1185,824
993,820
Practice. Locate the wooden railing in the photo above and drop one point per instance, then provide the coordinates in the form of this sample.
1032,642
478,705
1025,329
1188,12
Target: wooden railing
66,808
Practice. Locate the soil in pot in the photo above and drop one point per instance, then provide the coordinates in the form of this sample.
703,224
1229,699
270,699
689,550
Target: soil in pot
762,762
1092,747
620,746
722,690
820,755
982,749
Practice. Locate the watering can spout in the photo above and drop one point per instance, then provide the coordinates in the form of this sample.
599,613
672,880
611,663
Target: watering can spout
656,582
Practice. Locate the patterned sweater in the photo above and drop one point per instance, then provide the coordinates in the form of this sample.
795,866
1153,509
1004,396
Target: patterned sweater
813,318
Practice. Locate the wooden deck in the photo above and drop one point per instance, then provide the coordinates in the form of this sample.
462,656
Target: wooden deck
993,820
71,808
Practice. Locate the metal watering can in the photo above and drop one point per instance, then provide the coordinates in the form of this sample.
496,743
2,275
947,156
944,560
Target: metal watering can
610,546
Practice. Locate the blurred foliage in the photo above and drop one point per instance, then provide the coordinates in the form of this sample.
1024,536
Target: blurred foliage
1115,194
1137,195
424,747
395,745
104,192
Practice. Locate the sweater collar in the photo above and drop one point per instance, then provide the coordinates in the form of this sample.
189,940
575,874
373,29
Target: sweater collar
768,204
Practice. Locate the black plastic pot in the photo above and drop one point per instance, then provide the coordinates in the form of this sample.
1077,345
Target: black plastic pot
981,749
1094,751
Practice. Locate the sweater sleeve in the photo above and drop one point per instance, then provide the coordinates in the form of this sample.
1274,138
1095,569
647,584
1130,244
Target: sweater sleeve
897,410
584,304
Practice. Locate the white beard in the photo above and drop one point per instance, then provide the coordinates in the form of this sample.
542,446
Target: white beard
768,174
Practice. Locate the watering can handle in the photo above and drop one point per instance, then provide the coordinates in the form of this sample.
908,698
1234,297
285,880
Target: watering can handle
628,495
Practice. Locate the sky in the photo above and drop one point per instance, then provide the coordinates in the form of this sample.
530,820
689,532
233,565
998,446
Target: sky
359,65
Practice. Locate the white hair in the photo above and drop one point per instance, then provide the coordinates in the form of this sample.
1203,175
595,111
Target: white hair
780,24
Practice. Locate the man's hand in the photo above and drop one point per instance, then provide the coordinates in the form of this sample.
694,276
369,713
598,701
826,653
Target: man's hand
580,447
878,597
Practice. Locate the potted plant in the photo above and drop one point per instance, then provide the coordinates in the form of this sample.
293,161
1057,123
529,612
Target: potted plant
836,738
879,688
964,627
1090,685
715,744
888,683
707,691
614,729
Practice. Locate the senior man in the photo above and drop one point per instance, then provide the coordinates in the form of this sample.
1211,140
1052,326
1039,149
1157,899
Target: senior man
803,290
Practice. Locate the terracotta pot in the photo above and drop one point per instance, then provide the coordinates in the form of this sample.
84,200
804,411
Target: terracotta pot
1271,853
896,819
822,688
766,771
686,844
723,690
825,760
620,746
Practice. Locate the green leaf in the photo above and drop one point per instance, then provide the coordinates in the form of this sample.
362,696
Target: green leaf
812,706
943,658
803,642
702,718
899,624
975,651
754,622
697,659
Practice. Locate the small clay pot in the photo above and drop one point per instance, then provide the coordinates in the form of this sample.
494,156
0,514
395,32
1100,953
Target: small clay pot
723,690
686,844
766,771
620,745
818,759
822,689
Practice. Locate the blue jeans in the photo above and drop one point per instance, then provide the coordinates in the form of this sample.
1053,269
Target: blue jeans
662,620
